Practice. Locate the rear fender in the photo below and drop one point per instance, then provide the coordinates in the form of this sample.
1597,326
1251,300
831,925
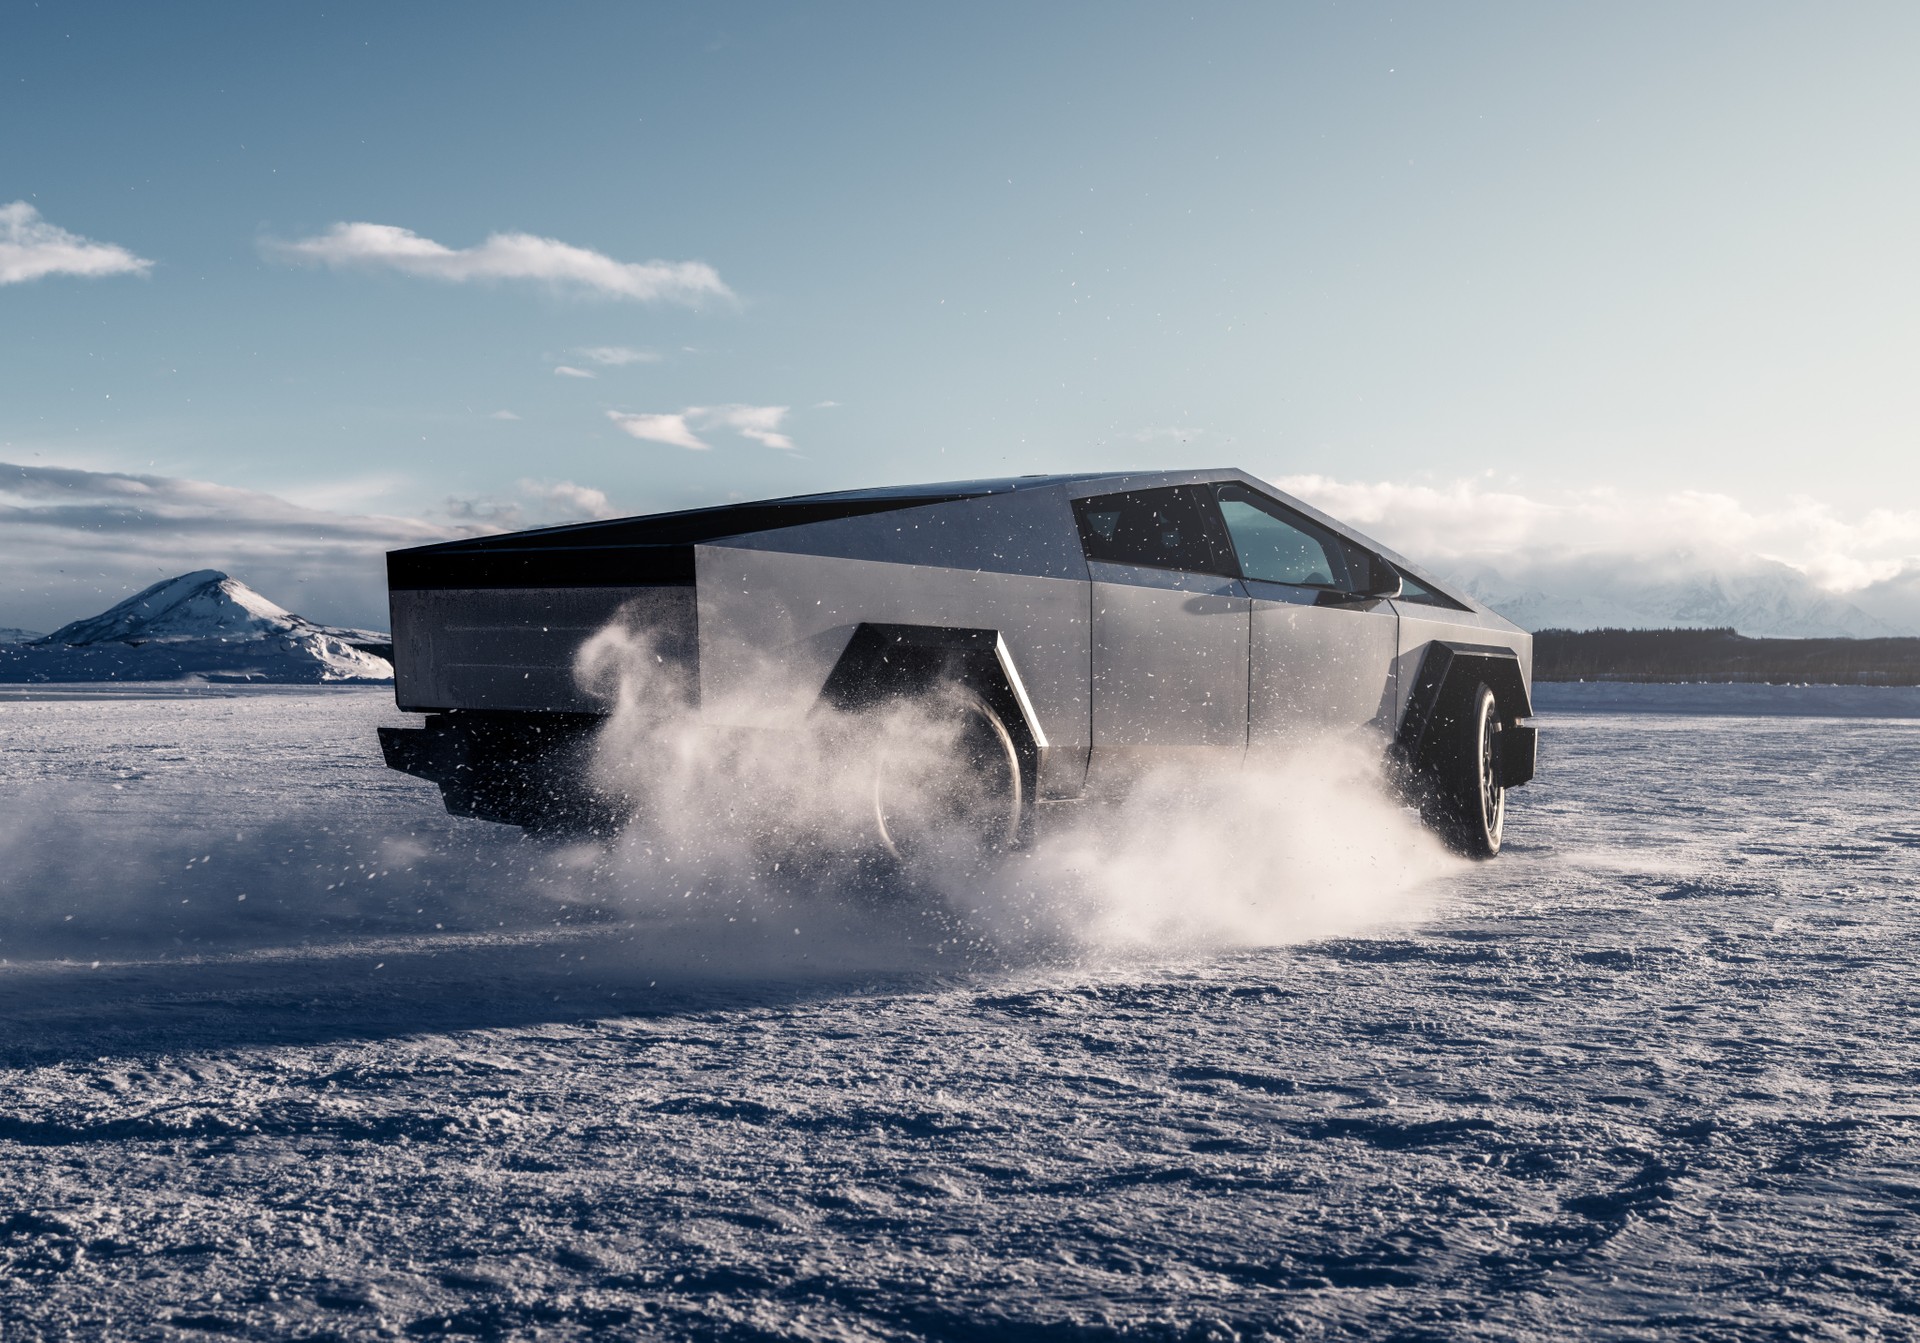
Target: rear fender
883,662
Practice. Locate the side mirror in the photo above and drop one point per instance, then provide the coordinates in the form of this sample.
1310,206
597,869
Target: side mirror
1383,580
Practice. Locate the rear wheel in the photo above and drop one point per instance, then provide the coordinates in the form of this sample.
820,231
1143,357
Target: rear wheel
954,787
1469,797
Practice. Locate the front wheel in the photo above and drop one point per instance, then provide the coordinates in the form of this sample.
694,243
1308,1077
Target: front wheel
951,787
1470,798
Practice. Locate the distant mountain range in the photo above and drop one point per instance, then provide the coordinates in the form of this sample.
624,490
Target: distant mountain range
202,625
1759,598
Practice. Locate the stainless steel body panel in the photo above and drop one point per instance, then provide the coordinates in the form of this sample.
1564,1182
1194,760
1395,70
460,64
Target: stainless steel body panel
513,648
1028,532
1121,664
772,624
1319,669
1169,663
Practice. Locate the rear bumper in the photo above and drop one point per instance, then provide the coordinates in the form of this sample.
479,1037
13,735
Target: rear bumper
529,770
411,751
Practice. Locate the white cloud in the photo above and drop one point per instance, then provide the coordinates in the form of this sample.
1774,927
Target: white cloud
567,371
502,415
826,405
759,423
1471,520
672,430
1801,567
509,256
616,356
30,248
575,501
1169,433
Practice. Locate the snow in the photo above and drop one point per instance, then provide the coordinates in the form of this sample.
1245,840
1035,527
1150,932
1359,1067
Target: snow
1648,1075
202,624
9,635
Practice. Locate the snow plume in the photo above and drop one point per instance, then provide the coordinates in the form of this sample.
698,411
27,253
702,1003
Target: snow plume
143,885
765,802
30,248
1305,845
740,787
508,256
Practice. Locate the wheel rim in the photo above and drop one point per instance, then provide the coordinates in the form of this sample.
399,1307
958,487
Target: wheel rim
963,802
1493,795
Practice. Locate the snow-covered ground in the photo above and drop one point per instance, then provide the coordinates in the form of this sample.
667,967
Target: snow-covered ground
1651,1074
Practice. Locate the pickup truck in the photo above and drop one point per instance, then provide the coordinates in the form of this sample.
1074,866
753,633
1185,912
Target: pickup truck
1081,629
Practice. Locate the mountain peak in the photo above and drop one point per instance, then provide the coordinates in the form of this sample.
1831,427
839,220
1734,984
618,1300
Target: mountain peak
201,624
205,604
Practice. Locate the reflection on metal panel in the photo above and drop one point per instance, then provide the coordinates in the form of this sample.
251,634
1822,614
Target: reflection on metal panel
1319,668
513,648
772,625
1169,664
1022,532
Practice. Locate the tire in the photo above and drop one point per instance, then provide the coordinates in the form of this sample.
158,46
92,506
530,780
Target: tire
1469,799
964,798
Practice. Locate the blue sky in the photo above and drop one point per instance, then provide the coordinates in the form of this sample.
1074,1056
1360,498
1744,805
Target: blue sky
1645,249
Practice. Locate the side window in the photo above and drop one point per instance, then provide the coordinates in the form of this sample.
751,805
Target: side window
1161,529
1278,546
1414,591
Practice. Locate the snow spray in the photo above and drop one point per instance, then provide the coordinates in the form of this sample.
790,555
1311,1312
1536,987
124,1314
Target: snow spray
755,800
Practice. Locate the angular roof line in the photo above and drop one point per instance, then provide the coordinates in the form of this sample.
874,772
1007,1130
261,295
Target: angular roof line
747,516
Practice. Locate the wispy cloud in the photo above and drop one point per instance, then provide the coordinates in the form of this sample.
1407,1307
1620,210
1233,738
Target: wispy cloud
502,415
759,423
615,356
31,248
682,429
568,371
536,503
508,256
73,541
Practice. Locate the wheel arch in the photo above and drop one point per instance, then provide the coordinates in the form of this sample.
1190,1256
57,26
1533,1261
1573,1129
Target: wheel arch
889,661
1448,673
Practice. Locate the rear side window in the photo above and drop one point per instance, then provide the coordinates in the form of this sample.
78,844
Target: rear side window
1160,529
1277,545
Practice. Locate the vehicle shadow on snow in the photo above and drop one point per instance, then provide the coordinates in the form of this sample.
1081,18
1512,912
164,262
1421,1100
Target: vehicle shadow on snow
301,933
382,987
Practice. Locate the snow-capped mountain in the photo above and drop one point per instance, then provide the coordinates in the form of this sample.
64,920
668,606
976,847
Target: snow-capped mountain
8,635
1759,598
203,624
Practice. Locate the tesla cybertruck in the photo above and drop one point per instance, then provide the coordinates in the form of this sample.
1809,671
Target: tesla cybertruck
1078,629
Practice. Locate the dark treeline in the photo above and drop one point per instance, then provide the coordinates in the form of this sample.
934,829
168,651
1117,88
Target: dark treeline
1721,655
